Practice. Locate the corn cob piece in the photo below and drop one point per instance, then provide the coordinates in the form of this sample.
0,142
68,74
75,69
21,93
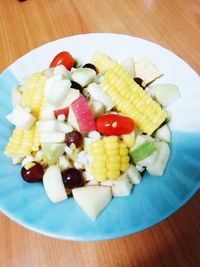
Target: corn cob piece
132,100
22,142
108,157
32,93
101,61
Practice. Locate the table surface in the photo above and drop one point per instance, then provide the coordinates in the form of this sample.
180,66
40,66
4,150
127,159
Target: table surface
174,24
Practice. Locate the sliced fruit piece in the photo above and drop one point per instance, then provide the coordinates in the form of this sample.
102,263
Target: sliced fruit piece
92,199
52,152
51,81
146,70
142,151
96,93
163,134
148,161
53,184
72,95
60,69
166,94
122,186
58,92
64,163
84,76
129,65
97,108
81,115
62,111
21,118
47,126
54,137
134,174
160,164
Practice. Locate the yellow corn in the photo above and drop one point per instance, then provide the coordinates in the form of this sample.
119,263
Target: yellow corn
113,158
129,97
101,61
22,142
32,93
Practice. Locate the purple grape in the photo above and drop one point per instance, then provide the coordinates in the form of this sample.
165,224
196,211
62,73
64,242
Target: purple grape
33,174
91,66
72,178
75,138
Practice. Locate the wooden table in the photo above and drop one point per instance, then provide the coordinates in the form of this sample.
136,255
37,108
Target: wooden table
174,24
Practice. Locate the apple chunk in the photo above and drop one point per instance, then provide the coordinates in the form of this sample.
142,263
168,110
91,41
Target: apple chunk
80,116
92,199
53,184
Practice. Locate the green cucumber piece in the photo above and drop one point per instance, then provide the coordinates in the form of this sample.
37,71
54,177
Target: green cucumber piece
143,151
52,152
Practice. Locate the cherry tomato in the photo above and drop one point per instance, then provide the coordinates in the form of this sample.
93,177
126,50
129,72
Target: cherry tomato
64,111
63,58
114,124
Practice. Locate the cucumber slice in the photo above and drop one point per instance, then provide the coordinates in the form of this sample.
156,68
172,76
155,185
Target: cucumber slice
143,151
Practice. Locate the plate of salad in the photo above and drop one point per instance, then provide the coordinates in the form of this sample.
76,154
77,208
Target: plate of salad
100,136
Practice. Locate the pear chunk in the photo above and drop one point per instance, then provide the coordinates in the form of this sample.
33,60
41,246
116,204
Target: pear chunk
92,199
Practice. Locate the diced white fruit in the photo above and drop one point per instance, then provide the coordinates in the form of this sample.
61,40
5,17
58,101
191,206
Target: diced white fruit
92,199
61,117
87,176
139,168
47,112
86,143
21,118
64,163
96,93
53,184
47,126
159,166
122,186
58,92
52,152
84,76
65,127
27,159
72,119
50,83
60,69
134,174
146,70
55,137
148,161
165,94
72,95
97,108
39,155
129,65
163,134
16,96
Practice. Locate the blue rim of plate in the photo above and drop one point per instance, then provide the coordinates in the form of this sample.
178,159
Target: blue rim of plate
152,201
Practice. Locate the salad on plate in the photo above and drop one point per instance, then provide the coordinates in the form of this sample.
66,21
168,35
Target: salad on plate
90,131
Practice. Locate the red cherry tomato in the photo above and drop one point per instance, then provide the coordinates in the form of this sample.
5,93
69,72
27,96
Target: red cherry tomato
64,111
63,58
114,124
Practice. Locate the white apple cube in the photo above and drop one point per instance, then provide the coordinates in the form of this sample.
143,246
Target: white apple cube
47,126
163,134
134,174
54,137
84,76
160,164
92,199
53,184
51,81
98,94
58,92
122,186
21,118
129,65
72,95
60,69
97,108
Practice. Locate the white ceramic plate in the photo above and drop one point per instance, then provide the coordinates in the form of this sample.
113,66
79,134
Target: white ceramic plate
151,201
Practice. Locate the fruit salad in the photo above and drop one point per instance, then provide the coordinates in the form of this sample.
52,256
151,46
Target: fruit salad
90,131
